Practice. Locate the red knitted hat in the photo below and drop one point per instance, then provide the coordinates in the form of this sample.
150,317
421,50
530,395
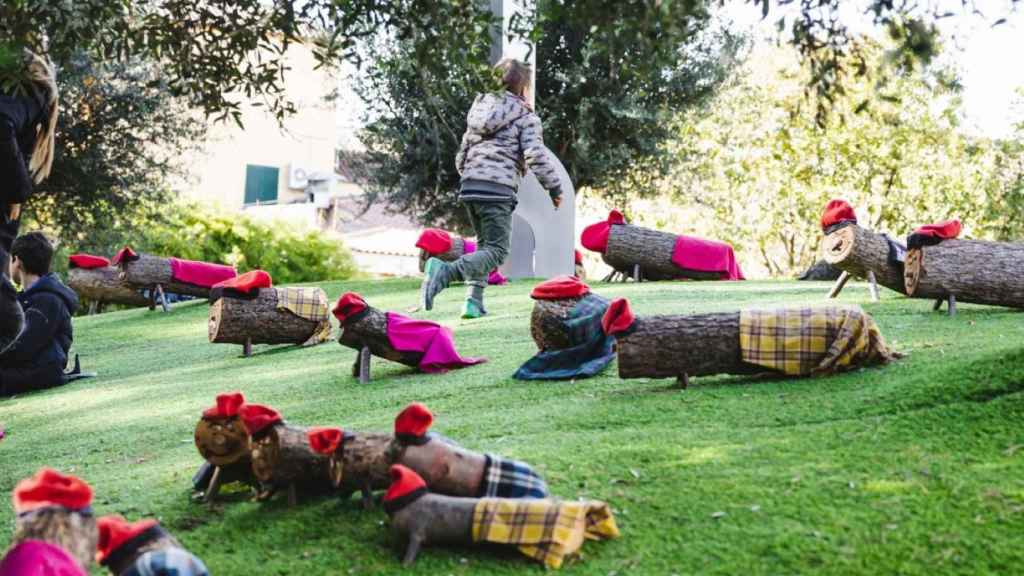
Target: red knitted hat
595,236
406,487
618,317
560,287
579,257
325,440
947,229
87,261
257,417
126,254
435,241
227,406
412,423
348,306
115,532
51,488
246,283
837,211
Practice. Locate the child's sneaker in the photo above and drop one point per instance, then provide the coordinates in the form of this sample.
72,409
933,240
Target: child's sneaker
435,279
473,308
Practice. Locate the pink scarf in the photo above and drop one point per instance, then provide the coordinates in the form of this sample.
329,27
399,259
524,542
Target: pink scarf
706,256
38,558
433,340
201,274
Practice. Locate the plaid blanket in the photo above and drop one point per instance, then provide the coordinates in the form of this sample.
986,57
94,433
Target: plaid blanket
820,340
511,479
592,350
308,303
546,530
168,561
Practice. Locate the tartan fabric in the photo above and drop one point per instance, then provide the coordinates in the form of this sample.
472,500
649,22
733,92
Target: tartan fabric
546,530
167,562
592,351
308,303
511,479
804,341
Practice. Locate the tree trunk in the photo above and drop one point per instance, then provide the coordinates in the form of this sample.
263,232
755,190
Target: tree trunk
233,320
282,457
674,346
104,285
148,271
547,323
630,245
973,271
371,330
364,463
858,251
454,253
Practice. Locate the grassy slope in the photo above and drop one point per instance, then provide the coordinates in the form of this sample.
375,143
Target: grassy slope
912,468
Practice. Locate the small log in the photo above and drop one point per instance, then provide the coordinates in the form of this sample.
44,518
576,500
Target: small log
683,346
974,271
222,441
104,285
547,323
452,254
283,459
149,271
651,250
371,330
362,463
859,251
259,321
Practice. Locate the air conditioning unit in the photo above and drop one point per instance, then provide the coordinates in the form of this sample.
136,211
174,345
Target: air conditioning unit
298,177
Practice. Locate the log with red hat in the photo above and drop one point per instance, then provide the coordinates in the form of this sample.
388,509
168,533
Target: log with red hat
162,275
359,461
143,547
223,442
56,509
93,278
441,244
282,458
857,251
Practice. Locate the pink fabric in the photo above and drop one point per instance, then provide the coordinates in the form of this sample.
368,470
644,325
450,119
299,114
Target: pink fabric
468,246
200,273
706,256
430,338
38,558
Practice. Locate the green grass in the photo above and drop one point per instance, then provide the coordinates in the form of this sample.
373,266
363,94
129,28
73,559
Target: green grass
916,468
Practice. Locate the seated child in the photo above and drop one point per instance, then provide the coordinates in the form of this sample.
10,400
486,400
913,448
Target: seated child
37,358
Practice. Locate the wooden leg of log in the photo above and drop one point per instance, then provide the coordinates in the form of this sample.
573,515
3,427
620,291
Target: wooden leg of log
683,381
367,492
93,307
214,487
844,277
364,365
951,306
411,550
872,287
609,277
292,496
937,305
247,348
163,298
636,272
152,299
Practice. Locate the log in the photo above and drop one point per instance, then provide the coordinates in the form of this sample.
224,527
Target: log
361,464
282,458
222,441
454,253
630,246
236,320
859,252
370,329
677,346
973,271
104,285
547,323
150,271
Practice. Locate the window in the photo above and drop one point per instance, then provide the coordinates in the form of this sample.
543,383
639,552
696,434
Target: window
260,184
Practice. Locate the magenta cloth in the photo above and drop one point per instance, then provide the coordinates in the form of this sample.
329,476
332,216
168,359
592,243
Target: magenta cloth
201,274
495,278
706,256
433,340
468,246
38,558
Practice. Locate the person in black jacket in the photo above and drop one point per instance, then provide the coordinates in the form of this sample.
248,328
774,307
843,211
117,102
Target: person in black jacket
37,358
12,320
28,121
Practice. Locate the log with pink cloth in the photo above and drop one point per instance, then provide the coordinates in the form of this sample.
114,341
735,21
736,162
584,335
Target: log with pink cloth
437,243
643,253
173,275
424,345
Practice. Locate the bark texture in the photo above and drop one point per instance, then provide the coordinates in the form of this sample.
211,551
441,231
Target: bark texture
148,271
694,345
363,463
973,271
454,253
104,285
630,245
858,251
371,330
233,320
283,456
546,323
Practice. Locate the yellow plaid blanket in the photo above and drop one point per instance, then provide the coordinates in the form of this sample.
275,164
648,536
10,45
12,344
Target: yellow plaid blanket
545,530
819,340
308,303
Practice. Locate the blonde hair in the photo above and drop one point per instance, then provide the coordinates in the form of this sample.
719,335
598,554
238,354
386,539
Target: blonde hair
42,75
516,76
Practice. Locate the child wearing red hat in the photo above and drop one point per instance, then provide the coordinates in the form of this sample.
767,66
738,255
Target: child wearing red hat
55,508
143,548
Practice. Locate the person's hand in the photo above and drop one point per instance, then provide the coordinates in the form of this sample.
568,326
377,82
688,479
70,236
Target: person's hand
15,212
557,201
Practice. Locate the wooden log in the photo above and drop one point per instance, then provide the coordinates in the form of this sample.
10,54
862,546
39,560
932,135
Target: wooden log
370,329
283,459
859,251
104,285
222,441
974,271
149,271
547,323
679,346
236,320
630,246
361,464
452,254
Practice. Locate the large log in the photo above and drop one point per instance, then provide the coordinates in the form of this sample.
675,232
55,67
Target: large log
972,271
148,271
859,252
224,443
370,330
547,323
236,320
454,253
282,458
629,246
104,285
680,346
361,464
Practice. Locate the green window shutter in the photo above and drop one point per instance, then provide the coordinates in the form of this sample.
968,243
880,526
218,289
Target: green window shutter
260,184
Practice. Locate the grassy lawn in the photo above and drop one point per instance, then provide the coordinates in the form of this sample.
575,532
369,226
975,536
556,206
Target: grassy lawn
914,468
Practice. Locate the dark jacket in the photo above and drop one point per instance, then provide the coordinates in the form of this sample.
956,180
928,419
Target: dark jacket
47,336
20,115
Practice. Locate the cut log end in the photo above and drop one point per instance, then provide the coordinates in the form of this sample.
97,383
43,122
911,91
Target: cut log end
839,244
547,323
221,442
912,270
